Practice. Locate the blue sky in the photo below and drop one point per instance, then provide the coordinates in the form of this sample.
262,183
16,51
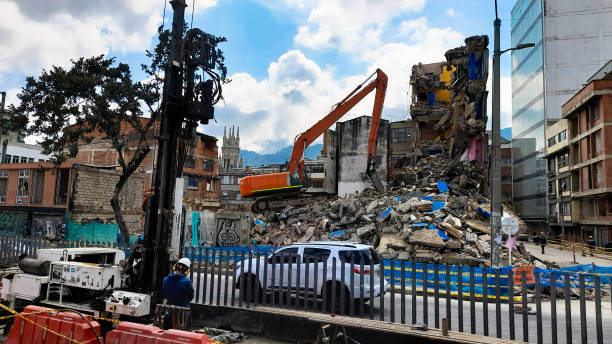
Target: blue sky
290,60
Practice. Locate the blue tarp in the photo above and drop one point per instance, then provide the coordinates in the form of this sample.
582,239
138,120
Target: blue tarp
589,271
437,205
442,186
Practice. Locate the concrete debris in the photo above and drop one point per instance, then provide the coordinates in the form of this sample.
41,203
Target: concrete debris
406,222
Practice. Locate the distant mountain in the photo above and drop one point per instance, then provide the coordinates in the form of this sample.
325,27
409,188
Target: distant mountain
250,158
506,133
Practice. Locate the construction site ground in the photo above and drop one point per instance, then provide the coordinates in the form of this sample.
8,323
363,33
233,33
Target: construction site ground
565,258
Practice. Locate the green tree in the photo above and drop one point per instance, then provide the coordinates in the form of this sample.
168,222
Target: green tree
97,98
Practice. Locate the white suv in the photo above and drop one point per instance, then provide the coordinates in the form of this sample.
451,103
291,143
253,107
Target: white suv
301,258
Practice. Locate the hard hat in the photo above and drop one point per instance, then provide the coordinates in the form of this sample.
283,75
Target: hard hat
185,261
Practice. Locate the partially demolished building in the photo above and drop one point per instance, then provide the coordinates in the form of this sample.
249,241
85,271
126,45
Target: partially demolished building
449,102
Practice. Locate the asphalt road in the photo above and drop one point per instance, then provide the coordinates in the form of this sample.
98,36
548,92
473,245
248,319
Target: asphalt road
395,313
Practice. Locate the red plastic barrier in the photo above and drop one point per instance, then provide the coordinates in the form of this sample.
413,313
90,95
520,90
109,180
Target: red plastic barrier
38,330
132,333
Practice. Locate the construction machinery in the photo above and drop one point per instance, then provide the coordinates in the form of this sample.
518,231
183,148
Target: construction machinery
277,190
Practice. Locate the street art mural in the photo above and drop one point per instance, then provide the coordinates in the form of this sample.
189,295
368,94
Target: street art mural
48,227
227,234
35,226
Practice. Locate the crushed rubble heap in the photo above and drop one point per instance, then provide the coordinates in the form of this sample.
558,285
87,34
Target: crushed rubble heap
435,214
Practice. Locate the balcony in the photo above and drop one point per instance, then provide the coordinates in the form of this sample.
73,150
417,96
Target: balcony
553,218
552,196
551,173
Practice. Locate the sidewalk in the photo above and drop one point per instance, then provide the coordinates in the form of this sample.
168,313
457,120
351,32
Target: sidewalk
565,258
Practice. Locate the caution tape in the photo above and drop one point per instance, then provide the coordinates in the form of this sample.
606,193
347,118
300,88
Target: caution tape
20,315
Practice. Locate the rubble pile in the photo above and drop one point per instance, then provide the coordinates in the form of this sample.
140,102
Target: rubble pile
436,213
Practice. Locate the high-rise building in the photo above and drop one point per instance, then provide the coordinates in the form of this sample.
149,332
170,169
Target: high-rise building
572,40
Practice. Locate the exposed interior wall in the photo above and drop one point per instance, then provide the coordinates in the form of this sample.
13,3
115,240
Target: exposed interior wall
92,190
353,154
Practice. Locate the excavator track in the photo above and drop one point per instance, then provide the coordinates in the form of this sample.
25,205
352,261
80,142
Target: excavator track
280,201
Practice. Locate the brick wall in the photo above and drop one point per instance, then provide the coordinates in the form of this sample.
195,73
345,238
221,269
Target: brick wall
92,190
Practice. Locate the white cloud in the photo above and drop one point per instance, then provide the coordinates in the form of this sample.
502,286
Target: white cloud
451,13
38,34
297,92
350,25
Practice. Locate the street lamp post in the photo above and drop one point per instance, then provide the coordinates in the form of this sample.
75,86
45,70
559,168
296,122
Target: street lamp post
495,174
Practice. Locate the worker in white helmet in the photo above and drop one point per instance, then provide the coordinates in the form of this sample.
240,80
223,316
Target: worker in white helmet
178,288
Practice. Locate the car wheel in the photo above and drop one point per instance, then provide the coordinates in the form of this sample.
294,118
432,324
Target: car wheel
251,288
337,300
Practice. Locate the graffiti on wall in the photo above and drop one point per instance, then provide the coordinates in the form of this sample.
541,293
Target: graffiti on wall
227,234
49,227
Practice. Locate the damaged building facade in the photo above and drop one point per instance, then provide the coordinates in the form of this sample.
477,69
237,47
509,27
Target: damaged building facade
448,107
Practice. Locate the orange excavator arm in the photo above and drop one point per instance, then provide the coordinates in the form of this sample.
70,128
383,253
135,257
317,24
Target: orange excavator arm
306,138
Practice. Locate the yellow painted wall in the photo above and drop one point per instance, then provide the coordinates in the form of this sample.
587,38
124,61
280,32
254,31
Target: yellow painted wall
445,77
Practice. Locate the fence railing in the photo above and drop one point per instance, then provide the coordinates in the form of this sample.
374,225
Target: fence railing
580,247
546,306
551,306
11,248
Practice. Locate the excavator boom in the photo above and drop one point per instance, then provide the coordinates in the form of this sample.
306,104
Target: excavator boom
276,183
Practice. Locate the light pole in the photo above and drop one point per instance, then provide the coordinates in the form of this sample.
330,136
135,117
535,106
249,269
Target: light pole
496,208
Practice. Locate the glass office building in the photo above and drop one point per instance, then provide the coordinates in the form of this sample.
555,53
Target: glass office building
528,119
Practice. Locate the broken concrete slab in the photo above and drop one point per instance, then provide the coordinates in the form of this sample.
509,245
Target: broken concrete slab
427,237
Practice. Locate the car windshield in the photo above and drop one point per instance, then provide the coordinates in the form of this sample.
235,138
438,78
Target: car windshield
355,256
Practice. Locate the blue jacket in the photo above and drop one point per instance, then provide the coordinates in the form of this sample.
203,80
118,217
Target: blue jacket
178,290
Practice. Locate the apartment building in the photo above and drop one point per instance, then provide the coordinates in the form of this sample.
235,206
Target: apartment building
559,198
589,116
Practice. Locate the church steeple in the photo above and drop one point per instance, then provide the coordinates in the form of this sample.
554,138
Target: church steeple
230,156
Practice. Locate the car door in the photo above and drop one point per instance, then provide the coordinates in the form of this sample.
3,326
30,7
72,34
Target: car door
279,265
309,268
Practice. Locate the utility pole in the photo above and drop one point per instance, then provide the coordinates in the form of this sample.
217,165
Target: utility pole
495,173
496,208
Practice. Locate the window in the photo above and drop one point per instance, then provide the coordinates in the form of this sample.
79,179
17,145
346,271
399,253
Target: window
564,184
289,255
227,179
3,185
319,254
552,209
16,159
61,186
562,135
506,179
355,256
506,161
317,168
189,162
595,110
24,159
192,182
208,165
318,184
598,173
551,141
562,160
23,186
7,159
30,159
552,187
398,135
566,208
38,184
551,164
597,142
